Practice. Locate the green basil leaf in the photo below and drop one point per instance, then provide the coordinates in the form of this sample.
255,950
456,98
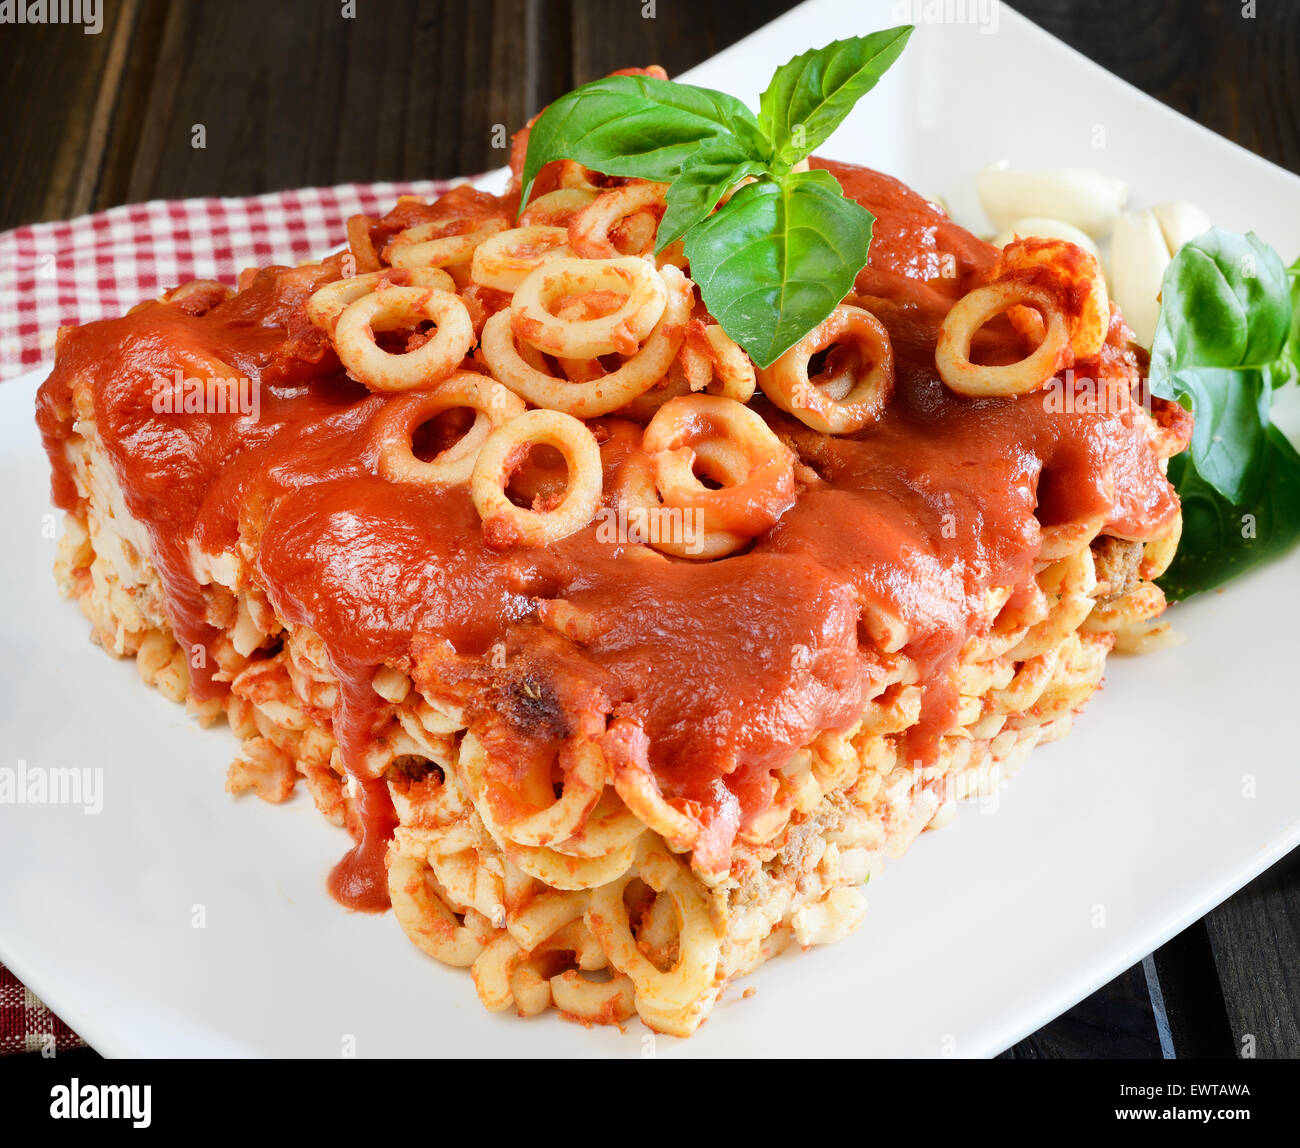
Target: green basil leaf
1226,337
809,97
636,126
1291,372
1231,409
1222,538
718,165
1225,302
778,259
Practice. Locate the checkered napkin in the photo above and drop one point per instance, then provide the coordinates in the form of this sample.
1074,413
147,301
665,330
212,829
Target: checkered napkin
54,274
26,1025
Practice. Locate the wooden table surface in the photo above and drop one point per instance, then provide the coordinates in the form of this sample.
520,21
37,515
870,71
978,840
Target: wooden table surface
293,94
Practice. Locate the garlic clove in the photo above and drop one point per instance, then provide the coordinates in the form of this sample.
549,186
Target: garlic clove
1138,258
1043,228
1180,221
1084,199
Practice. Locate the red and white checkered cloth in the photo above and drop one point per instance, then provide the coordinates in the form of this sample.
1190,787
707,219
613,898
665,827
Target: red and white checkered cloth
54,274
26,1025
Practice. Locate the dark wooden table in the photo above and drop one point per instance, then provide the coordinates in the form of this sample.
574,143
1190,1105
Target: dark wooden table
294,94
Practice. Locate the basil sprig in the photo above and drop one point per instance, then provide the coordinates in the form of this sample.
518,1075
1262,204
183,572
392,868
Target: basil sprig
779,259
1228,336
776,258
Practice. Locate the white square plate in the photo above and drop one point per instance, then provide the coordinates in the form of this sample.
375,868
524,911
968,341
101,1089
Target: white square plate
1179,784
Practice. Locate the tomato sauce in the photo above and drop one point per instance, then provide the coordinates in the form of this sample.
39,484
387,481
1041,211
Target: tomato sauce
728,666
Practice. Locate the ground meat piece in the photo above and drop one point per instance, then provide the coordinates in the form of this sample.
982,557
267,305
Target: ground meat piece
1117,564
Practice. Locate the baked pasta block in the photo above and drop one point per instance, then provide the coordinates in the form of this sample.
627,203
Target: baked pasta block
602,914
438,570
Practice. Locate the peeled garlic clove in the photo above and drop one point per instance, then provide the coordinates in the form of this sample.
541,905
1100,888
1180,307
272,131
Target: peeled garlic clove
1138,258
1180,221
1084,199
940,203
1041,228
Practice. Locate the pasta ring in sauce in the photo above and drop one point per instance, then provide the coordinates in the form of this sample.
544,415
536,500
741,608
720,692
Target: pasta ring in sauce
410,248
329,302
504,523
1077,277
493,406
589,230
970,313
391,307
712,360
585,284
607,392
503,261
734,447
865,391
556,208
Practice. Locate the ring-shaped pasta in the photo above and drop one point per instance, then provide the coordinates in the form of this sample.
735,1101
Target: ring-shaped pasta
642,408
493,970
504,260
608,392
529,988
722,460
409,248
732,368
425,917
577,370
545,915
787,384
729,386
673,440
504,523
566,871
513,972
360,243
1066,266
329,302
1158,554
688,986
493,404
639,790
674,254
556,208
597,1002
971,312
590,228
576,940
668,531
585,777
460,877
621,330
601,851
711,360
1032,677
391,307
1070,585
447,227
1136,605
1064,539
610,826
1169,428
199,296
574,177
